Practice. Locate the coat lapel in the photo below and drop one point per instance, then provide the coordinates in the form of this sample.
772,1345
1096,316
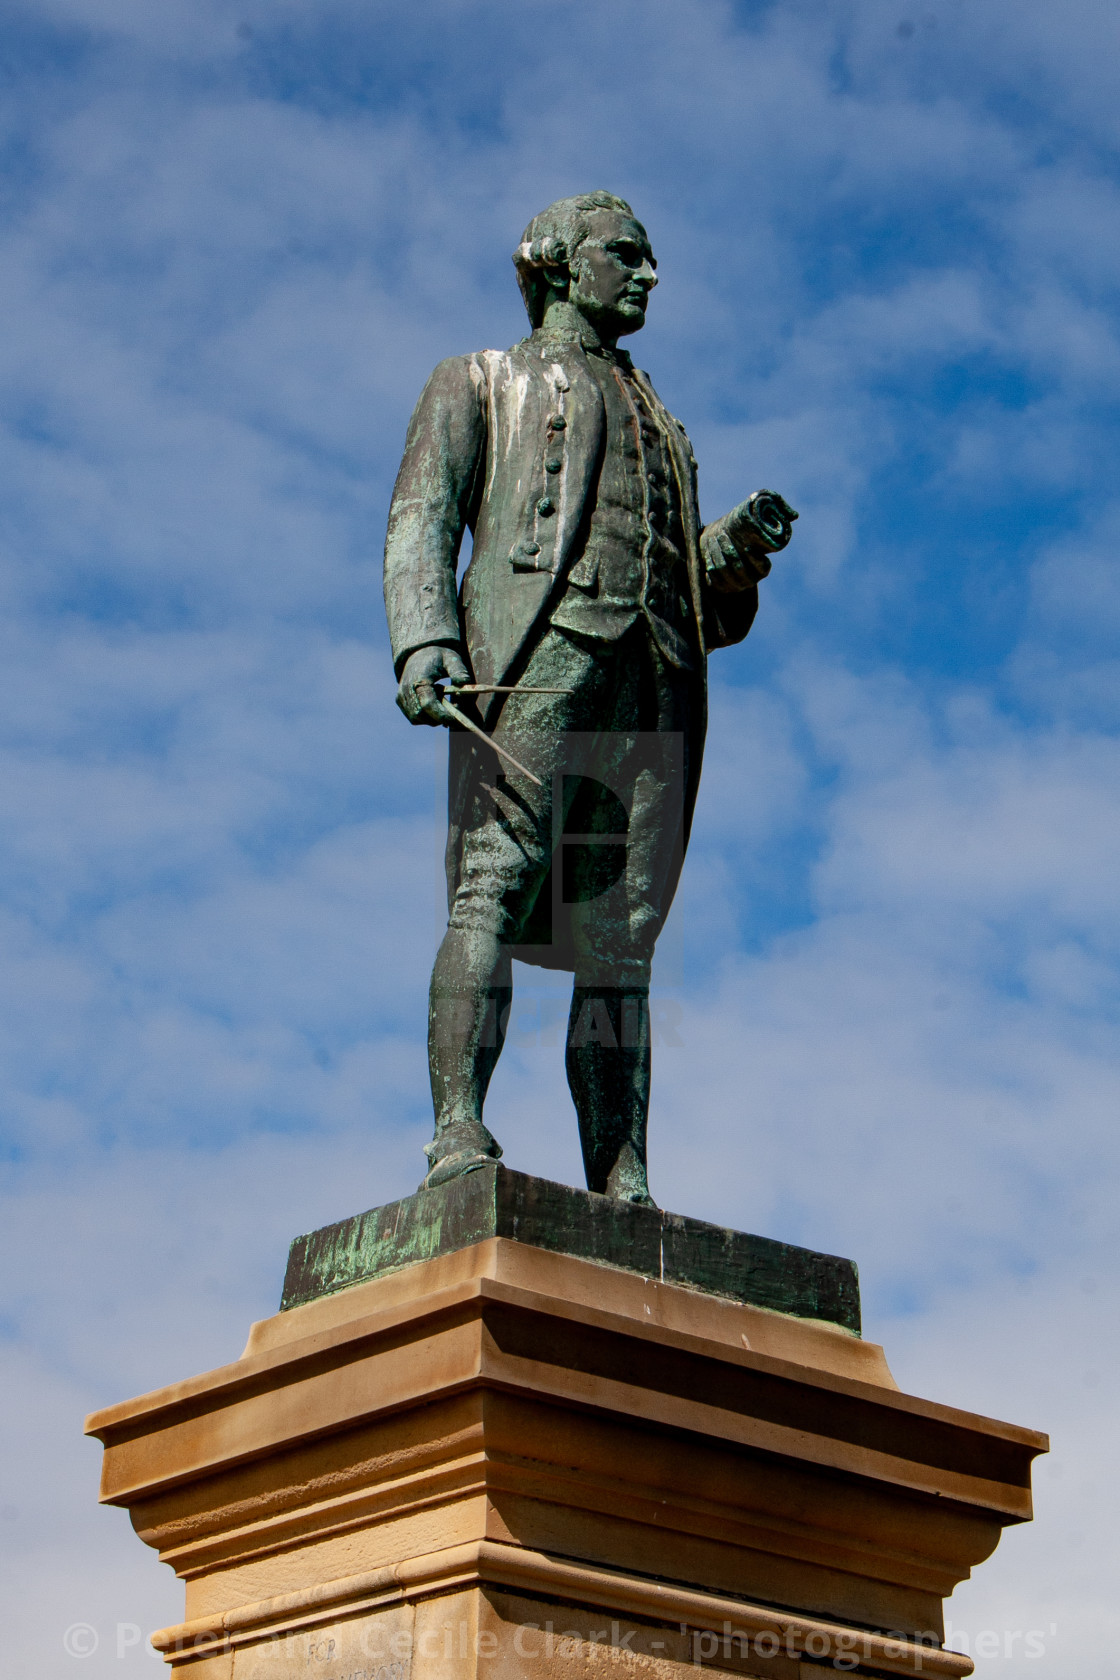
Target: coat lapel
580,402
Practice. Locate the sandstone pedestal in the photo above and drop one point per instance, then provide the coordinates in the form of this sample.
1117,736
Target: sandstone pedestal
495,1458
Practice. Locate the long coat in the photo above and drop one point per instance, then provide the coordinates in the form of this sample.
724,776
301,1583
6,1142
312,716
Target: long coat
474,460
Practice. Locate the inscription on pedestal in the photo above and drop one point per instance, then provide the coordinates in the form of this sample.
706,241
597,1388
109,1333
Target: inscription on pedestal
377,1647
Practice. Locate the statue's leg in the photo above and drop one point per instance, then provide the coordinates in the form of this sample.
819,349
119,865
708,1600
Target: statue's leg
468,1006
642,753
608,1063
504,824
608,1048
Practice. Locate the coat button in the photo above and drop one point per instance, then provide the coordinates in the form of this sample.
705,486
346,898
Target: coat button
552,466
557,422
545,507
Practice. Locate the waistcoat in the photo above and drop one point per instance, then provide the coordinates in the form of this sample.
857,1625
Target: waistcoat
632,564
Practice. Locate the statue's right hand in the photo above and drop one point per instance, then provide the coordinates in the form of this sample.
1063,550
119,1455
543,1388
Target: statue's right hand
417,696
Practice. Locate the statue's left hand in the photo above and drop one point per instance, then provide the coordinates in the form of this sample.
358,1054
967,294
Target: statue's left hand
737,548
730,568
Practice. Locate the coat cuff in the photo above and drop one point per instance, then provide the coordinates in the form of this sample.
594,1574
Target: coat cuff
402,658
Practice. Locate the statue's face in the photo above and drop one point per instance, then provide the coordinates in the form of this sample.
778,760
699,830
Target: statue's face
613,274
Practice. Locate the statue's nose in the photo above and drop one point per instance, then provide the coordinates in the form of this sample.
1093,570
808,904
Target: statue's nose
646,274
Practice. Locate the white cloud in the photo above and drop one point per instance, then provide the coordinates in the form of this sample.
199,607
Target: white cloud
233,258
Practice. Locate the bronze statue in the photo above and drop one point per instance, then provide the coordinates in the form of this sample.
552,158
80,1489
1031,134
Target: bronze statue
570,666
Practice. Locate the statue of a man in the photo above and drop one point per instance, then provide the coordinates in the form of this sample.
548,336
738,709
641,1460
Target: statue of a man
592,599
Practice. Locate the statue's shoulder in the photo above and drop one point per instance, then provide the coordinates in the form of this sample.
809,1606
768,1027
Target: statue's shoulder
482,370
459,370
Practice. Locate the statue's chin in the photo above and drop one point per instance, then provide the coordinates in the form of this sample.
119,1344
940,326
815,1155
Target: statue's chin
631,319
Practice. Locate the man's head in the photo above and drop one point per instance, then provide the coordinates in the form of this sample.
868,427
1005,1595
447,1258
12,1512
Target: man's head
592,251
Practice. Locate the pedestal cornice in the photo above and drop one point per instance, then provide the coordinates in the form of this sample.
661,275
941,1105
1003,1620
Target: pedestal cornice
551,1428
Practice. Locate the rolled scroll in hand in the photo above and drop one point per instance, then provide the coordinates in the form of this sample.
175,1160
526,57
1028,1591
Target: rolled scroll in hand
737,548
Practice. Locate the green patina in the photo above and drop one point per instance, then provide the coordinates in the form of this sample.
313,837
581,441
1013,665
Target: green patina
494,1202
575,646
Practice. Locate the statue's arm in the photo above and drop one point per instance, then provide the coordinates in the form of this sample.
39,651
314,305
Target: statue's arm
433,503
728,615
736,551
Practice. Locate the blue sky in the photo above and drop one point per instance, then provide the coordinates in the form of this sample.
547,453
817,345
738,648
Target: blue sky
234,239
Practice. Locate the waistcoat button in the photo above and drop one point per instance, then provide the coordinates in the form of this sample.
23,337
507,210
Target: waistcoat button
545,507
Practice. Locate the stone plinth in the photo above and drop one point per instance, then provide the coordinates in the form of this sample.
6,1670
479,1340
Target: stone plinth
495,1202
504,1461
